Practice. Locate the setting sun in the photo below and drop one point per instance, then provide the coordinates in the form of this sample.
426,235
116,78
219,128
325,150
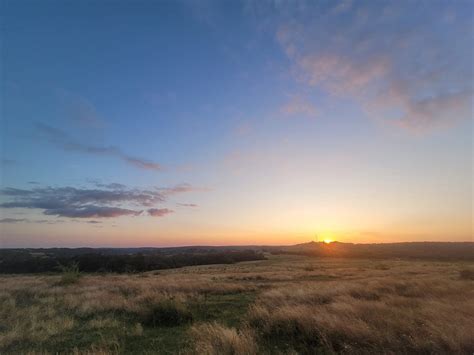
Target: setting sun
326,237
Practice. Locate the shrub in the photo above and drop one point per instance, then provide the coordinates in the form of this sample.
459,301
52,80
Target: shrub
362,294
167,312
69,274
467,274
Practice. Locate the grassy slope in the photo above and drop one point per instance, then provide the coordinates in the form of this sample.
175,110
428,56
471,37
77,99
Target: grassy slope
284,303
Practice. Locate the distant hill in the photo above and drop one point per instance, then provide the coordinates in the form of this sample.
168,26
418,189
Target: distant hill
431,250
419,250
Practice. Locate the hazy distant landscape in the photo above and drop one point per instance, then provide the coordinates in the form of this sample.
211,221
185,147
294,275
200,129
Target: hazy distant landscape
285,301
38,260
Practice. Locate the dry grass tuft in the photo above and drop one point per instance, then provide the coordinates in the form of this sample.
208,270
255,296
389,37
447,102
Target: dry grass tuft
216,339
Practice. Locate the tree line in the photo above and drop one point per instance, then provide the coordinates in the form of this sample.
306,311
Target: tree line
18,262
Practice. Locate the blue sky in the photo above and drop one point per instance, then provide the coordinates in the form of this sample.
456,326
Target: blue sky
245,121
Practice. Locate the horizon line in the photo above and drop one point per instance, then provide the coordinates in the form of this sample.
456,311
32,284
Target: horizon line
231,245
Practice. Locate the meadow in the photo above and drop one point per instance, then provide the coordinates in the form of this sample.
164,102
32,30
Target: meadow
286,304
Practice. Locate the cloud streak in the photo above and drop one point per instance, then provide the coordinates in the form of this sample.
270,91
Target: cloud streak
12,220
106,201
298,105
187,205
159,212
91,211
180,188
62,140
79,109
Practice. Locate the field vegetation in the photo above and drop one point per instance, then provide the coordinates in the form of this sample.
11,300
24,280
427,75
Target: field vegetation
286,304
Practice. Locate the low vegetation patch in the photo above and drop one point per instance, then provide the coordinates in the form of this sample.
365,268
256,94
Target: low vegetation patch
374,317
166,312
466,274
70,274
346,306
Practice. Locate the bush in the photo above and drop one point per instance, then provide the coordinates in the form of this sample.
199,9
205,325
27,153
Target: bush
69,274
168,312
467,274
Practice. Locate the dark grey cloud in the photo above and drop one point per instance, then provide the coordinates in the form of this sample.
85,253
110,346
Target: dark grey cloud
91,211
59,197
62,140
46,221
12,220
34,221
25,220
81,203
159,212
112,200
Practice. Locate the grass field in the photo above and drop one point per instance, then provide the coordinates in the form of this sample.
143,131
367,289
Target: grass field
283,305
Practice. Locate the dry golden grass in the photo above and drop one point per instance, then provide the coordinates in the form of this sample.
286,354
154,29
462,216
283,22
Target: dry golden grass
215,339
302,305
381,315
35,309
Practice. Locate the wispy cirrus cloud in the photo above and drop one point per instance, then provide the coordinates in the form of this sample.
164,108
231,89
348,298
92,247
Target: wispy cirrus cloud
299,105
40,221
187,205
180,188
159,212
78,109
26,220
415,76
62,140
109,201
12,220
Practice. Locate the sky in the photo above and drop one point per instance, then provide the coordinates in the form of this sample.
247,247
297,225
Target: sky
165,123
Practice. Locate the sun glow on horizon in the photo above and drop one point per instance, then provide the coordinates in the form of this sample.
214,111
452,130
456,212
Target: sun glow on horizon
326,237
